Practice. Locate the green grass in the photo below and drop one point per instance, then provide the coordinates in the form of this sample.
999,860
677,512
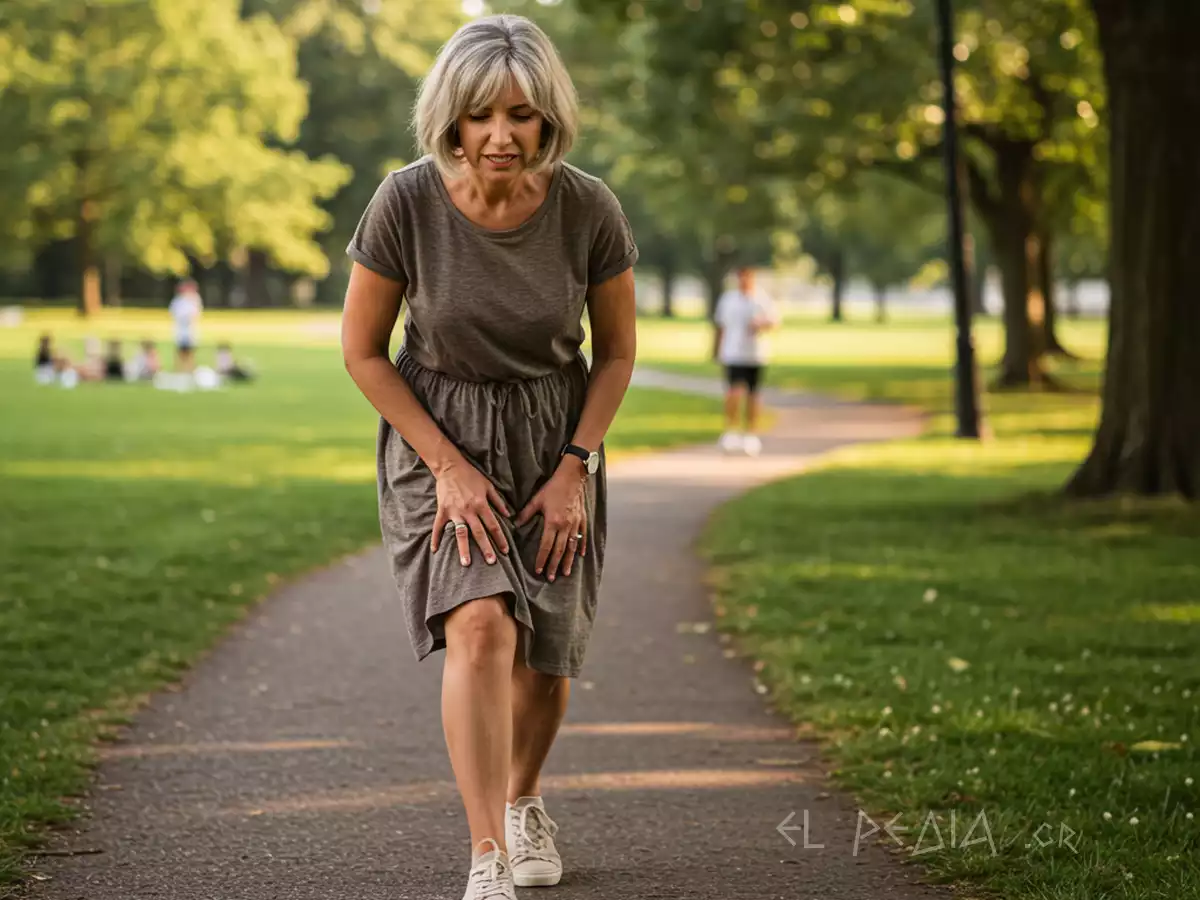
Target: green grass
964,641
908,360
139,524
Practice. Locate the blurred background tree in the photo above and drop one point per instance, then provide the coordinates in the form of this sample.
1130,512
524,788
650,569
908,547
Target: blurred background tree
154,132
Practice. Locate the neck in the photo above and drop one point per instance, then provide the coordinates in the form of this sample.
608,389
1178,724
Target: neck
495,193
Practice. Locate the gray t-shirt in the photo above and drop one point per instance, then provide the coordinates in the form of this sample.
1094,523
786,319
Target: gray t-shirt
489,305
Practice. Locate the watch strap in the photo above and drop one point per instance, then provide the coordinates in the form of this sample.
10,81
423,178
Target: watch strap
576,450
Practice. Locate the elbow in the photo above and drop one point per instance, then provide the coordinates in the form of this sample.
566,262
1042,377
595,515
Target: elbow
354,360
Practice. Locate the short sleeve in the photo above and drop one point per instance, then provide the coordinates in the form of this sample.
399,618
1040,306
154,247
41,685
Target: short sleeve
613,249
376,243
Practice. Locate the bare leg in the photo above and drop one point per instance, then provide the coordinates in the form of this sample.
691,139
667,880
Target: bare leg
477,718
539,704
753,411
733,402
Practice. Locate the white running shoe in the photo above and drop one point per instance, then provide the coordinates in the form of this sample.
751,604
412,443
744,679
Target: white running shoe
752,445
530,832
491,876
730,442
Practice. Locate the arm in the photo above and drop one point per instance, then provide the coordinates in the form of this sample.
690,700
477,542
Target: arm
770,318
611,311
718,322
372,307
463,492
612,314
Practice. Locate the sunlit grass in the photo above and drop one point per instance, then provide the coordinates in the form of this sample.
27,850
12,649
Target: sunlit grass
137,524
909,360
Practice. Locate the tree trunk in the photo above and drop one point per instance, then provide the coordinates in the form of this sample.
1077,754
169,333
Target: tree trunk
979,273
837,270
714,279
1015,242
1148,440
255,279
880,302
668,274
714,276
1046,275
1072,309
227,279
89,267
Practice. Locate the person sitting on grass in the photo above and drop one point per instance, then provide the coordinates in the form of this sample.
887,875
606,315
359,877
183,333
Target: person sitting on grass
146,364
114,365
44,361
742,318
92,367
228,367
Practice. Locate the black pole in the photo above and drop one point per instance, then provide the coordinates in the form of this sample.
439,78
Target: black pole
965,395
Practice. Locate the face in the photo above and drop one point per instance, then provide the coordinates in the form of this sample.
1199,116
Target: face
746,280
500,140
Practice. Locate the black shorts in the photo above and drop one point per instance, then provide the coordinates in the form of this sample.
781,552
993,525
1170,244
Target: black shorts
185,347
747,375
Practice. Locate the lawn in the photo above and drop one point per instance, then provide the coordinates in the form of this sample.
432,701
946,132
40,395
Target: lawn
139,524
962,640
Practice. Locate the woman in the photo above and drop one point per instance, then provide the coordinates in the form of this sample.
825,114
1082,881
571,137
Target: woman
491,467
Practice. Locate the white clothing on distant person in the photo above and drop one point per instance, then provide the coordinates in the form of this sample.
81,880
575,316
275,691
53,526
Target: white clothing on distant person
736,315
185,310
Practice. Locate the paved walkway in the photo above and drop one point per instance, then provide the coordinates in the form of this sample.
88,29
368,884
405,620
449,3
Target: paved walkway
304,757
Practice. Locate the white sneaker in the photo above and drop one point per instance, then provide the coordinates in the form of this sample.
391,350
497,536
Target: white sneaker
730,442
491,876
752,445
530,832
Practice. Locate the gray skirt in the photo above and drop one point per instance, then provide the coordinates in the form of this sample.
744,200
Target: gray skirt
513,432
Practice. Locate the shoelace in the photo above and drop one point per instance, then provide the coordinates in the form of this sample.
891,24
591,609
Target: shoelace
489,880
534,828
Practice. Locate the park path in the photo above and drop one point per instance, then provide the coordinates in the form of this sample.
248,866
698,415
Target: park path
303,758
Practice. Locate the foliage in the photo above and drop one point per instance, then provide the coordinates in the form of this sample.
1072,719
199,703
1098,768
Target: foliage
362,63
157,130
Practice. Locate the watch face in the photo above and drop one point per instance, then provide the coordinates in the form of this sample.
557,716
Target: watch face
593,462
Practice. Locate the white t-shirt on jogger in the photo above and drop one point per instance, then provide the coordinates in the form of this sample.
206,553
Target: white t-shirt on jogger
185,309
735,315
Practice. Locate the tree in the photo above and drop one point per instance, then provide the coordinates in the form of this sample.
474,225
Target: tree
362,63
153,130
826,88
891,229
1148,439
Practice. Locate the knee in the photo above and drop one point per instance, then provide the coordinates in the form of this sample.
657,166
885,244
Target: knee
481,632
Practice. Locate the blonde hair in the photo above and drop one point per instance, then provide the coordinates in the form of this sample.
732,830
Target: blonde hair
473,68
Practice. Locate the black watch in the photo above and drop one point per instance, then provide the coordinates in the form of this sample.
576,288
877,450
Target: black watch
591,459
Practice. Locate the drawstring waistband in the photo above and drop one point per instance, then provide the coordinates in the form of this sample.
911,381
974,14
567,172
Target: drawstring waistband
497,394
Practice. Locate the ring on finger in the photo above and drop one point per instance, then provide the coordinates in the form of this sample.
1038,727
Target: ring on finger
460,526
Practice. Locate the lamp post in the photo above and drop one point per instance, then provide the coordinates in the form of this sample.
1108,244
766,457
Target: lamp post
966,397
